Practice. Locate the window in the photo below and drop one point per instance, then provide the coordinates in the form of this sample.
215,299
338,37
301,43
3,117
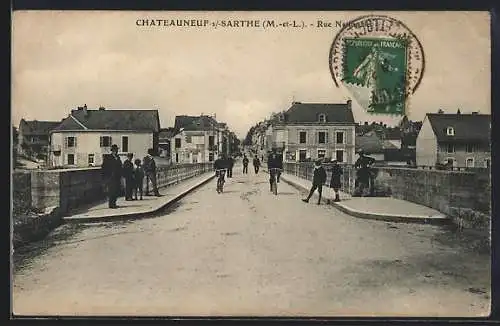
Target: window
339,135
469,162
177,143
487,163
302,155
322,117
321,153
211,157
450,148
469,148
176,157
211,140
71,159
451,161
125,144
105,141
339,156
450,131
322,137
91,159
302,137
70,142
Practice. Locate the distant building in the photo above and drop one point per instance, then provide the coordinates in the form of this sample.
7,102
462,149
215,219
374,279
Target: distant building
461,139
85,136
308,131
33,137
197,139
164,138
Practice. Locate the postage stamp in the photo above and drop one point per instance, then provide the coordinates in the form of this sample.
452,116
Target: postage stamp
379,61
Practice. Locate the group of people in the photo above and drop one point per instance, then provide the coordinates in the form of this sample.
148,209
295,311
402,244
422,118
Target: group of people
133,171
363,177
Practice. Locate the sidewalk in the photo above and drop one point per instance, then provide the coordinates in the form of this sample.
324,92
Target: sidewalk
379,208
138,208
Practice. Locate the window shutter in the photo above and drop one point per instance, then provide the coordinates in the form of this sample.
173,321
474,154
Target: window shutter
65,142
75,142
326,137
101,141
110,141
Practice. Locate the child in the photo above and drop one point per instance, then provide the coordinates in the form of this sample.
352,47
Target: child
335,181
138,178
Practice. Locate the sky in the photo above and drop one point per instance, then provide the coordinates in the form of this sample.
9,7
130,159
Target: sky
62,60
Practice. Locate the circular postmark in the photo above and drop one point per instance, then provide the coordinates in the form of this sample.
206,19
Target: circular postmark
380,61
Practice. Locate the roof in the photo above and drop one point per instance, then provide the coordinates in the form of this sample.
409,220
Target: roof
136,120
369,143
194,123
309,113
36,127
166,133
467,127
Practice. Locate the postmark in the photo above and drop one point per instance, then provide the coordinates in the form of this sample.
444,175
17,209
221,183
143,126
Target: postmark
379,61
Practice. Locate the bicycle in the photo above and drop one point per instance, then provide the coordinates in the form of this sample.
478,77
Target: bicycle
220,179
274,184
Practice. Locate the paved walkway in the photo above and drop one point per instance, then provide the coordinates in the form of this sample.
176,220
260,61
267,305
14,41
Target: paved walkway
247,252
381,208
127,209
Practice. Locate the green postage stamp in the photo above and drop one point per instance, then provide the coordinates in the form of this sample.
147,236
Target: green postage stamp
380,63
380,66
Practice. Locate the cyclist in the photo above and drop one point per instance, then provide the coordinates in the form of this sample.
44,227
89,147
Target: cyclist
274,161
219,166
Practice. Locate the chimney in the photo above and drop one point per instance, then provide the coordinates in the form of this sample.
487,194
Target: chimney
102,108
458,111
349,104
440,111
85,112
475,113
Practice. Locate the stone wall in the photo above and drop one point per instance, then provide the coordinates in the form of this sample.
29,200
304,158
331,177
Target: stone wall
70,188
465,196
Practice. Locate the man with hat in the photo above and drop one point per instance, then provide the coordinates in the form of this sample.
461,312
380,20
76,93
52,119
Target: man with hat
319,179
149,165
112,172
274,161
363,172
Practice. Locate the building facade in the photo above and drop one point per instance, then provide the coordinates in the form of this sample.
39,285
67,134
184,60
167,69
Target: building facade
33,137
308,131
86,136
460,139
198,139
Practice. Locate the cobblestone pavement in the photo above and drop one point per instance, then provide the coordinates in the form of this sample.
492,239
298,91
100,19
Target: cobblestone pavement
248,252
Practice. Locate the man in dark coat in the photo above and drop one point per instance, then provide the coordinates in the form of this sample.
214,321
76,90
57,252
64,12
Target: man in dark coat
256,164
128,174
230,165
149,166
274,161
112,173
335,181
363,173
319,179
245,164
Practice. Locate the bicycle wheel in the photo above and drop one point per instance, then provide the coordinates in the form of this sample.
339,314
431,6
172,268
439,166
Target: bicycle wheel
275,187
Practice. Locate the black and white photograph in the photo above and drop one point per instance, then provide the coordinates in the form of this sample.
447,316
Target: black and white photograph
251,163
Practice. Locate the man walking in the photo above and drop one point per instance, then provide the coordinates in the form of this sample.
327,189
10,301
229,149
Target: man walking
112,173
230,165
256,164
363,173
149,166
245,164
319,179
128,174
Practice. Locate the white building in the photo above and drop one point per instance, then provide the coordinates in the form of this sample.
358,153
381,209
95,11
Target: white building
85,136
197,139
460,139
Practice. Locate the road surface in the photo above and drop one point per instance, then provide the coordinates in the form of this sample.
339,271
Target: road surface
247,252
